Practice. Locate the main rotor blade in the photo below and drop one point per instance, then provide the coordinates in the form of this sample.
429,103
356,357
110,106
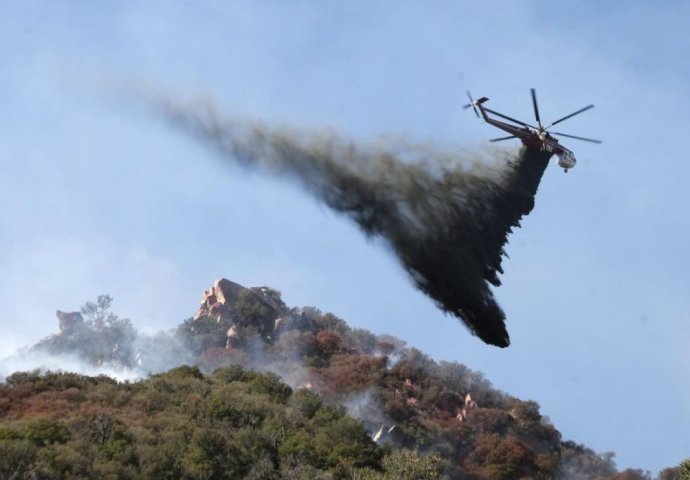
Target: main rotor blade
502,138
536,108
578,138
508,118
571,115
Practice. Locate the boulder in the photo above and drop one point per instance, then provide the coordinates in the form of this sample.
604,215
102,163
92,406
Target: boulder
217,300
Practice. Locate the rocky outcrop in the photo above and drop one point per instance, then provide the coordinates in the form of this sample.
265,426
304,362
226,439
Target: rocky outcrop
69,322
469,406
217,300
222,298
108,343
242,312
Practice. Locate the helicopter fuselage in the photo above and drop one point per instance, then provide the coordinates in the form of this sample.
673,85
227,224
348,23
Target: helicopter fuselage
536,138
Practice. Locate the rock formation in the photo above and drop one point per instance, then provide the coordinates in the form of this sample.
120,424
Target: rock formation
467,408
69,322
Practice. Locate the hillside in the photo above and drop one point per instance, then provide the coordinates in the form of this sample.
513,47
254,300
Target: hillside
273,392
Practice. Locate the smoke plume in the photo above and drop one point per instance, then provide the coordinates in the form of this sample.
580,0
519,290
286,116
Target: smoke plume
446,215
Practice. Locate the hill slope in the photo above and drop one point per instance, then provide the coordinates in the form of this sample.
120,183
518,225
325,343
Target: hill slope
353,405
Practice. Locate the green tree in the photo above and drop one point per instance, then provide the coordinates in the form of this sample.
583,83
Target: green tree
163,461
684,472
42,432
16,458
107,336
202,334
98,313
101,427
305,402
670,473
211,456
8,433
500,458
270,384
401,464
631,474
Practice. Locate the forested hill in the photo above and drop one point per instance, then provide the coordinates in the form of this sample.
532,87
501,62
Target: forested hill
255,389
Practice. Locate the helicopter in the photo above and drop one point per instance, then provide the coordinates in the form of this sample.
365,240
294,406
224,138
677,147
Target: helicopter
537,138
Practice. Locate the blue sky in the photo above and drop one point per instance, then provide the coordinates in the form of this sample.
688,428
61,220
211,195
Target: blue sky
98,196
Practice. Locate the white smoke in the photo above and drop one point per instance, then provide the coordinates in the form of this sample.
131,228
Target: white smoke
26,361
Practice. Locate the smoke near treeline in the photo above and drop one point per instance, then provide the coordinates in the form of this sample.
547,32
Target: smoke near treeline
446,215
437,419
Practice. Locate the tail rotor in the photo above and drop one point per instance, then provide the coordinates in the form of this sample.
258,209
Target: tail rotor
471,104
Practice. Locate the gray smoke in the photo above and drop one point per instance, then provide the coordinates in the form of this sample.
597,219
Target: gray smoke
446,215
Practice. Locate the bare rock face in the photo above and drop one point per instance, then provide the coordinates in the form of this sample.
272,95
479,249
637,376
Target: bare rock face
69,321
217,300
233,340
470,405
227,291
242,311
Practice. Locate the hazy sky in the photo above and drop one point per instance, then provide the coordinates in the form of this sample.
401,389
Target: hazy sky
98,196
